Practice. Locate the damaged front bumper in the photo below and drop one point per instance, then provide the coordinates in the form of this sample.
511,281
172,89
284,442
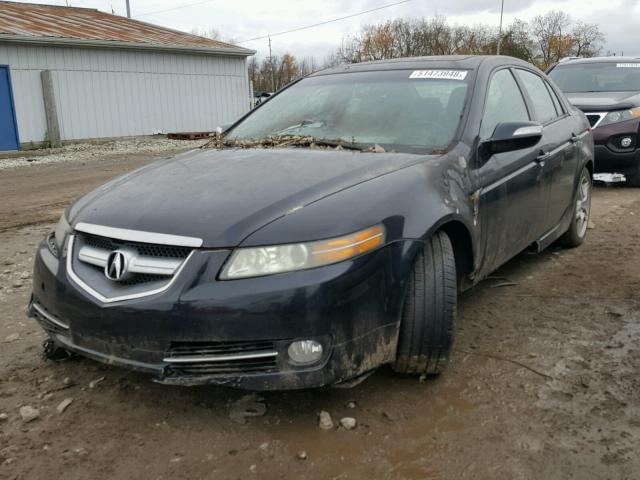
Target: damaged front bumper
235,333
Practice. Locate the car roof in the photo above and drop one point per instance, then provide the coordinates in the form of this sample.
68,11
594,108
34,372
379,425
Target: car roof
468,62
577,61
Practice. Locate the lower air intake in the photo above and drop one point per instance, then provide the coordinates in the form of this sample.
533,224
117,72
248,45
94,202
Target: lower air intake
221,358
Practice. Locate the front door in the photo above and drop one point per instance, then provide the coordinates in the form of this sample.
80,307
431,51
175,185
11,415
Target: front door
8,127
512,197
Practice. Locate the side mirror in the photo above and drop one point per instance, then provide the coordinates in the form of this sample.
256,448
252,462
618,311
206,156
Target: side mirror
510,136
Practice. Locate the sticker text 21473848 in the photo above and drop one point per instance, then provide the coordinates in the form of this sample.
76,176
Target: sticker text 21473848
440,74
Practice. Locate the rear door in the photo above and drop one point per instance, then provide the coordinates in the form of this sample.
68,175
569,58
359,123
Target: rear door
512,198
559,154
8,128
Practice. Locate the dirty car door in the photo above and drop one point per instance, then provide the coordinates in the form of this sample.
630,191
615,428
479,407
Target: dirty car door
558,151
512,200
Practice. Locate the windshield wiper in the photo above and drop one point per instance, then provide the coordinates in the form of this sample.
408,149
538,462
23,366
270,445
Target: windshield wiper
303,123
340,143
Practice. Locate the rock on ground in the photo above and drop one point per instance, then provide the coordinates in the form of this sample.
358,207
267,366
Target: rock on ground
62,406
29,414
325,422
348,423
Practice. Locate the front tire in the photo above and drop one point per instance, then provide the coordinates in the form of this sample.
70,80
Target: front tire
426,329
577,231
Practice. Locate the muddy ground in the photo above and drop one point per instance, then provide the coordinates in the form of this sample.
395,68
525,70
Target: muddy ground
543,382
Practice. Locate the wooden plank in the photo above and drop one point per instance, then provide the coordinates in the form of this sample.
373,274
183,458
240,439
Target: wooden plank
188,135
50,110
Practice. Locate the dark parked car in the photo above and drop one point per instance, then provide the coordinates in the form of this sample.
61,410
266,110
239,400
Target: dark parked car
393,185
607,90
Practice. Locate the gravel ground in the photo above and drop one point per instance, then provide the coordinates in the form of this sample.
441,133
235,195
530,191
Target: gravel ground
543,381
39,191
86,151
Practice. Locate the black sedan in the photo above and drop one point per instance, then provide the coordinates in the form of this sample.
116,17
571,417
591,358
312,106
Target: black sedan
328,232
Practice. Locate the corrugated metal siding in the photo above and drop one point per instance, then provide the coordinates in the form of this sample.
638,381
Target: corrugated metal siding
112,93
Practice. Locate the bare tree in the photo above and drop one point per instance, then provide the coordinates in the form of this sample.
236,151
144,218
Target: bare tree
287,71
210,33
547,31
517,42
308,65
587,39
544,41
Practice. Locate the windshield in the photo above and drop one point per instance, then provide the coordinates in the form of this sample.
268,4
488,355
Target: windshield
597,77
406,111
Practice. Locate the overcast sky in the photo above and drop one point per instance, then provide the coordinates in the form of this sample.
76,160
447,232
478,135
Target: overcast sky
244,19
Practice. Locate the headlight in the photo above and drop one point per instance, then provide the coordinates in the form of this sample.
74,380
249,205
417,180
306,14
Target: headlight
620,116
62,230
258,261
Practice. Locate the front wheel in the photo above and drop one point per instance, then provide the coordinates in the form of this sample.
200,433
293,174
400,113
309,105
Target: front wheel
577,231
426,329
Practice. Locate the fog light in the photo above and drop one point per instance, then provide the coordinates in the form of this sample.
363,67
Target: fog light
625,142
304,352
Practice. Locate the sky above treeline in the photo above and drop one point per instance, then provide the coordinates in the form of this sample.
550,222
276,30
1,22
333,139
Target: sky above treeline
242,20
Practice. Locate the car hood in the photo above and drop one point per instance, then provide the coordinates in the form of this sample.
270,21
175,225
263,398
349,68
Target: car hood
604,101
222,196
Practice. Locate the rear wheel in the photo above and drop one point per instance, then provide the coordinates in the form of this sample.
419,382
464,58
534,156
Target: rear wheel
426,329
577,231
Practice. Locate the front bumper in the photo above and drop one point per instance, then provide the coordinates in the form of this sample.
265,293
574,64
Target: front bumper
351,308
610,157
608,161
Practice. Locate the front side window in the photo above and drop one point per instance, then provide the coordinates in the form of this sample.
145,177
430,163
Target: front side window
597,77
543,106
398,110
504,103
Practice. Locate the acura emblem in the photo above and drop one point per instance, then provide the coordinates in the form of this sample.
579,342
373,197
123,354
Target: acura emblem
116,267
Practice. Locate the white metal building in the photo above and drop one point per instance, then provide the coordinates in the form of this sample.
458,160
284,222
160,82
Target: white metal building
77,73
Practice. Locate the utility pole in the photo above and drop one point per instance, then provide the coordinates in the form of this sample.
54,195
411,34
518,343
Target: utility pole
273,73
128,10
500,32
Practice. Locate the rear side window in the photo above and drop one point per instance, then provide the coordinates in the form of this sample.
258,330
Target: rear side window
543,106
556,100
504,103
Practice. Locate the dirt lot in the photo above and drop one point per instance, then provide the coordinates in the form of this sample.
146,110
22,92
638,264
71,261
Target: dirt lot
543,383
37,188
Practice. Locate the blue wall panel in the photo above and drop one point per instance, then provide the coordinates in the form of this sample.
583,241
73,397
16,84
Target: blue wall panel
8,127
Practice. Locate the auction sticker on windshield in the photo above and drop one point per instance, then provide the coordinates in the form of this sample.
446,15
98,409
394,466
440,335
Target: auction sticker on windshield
440,74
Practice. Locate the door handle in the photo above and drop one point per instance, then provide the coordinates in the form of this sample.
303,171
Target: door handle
542,158
574,138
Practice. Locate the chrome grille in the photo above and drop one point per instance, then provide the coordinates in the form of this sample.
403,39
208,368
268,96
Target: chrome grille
595,118
146,249
116,269
222,368
150,263
178,349
218,358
